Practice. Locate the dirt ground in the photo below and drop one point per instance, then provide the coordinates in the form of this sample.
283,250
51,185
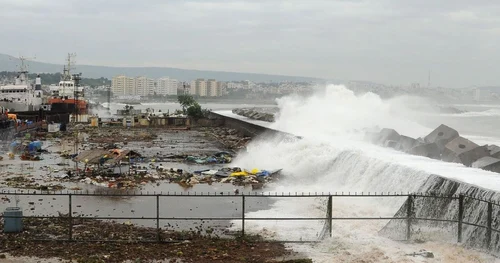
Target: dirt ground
175,246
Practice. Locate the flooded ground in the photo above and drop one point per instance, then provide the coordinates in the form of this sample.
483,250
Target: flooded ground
49,172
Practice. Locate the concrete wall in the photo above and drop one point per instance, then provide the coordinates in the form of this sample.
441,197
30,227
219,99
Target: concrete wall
243,127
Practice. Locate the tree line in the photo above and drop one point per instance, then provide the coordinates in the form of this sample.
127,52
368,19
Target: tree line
54,78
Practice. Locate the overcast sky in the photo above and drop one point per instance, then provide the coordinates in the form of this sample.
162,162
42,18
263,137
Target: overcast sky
387,41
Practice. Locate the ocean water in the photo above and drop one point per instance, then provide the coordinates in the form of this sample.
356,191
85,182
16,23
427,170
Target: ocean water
332,157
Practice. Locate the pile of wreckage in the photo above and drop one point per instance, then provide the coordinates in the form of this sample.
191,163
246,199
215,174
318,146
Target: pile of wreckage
444,143
256,178
220,157
118,168
28,150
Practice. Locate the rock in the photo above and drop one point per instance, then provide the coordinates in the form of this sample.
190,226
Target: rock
494,150
406,143
430,150
391,144
260,114
441,136
469,157
386,135
488,163
456,147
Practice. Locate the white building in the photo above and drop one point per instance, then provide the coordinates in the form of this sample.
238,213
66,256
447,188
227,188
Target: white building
199,88
166,86
143,86
213,88
118,85
123,85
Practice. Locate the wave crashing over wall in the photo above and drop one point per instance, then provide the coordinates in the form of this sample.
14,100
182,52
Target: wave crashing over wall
332,157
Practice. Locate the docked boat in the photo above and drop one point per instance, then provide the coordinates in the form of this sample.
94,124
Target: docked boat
22,95
68,96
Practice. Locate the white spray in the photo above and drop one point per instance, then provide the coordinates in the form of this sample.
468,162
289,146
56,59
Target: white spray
332,158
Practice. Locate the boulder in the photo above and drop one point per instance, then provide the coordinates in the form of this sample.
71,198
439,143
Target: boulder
441,136
494,150
469,157
387,135
430,150
488,163
405,143
391,144
456,147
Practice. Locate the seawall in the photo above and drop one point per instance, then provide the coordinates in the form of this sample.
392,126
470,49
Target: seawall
242,127
442,208
446,207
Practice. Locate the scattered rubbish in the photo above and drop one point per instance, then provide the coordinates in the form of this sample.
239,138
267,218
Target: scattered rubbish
423,253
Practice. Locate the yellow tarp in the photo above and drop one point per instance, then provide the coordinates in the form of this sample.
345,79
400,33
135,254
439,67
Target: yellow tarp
243,173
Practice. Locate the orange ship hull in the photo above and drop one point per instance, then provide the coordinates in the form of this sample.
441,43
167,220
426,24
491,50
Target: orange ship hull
80,104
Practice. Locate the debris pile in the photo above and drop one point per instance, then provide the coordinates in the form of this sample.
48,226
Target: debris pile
220,157
182,246
227,137
113,135
22,182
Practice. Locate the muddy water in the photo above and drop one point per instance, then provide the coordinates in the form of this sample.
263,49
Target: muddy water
52,166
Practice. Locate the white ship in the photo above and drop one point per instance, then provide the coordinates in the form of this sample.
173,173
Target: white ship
22,95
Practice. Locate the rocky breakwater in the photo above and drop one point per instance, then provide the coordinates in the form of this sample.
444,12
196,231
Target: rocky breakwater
260,114
444,143
439,198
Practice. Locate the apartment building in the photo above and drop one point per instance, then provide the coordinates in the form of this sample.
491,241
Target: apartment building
213,88
142,86
205,88
123,85
166,86
198,87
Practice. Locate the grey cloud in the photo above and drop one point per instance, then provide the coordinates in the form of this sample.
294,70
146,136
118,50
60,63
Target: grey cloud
389,41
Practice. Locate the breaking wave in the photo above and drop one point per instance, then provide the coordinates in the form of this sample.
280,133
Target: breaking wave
332,157
486,113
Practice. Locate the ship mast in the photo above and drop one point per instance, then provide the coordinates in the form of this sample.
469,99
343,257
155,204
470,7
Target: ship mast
23,69
67,71
70,64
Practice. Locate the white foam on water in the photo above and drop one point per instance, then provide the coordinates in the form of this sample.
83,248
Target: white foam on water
332,158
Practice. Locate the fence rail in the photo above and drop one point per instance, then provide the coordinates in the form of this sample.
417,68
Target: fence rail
328,219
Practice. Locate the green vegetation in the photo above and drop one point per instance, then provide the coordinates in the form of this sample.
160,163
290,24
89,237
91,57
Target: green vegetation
191,107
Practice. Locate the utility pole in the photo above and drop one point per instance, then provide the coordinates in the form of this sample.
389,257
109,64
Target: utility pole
76,78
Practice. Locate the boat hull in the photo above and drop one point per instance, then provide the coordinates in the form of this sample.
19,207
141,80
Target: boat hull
68,106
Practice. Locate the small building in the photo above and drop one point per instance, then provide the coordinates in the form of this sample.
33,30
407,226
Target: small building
128,121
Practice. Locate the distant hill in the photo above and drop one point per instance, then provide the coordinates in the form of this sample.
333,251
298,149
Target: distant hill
9,63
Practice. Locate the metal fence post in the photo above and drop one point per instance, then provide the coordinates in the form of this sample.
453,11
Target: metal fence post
460,217
242,215
490,219
70,218
409,210
158,237
329,214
